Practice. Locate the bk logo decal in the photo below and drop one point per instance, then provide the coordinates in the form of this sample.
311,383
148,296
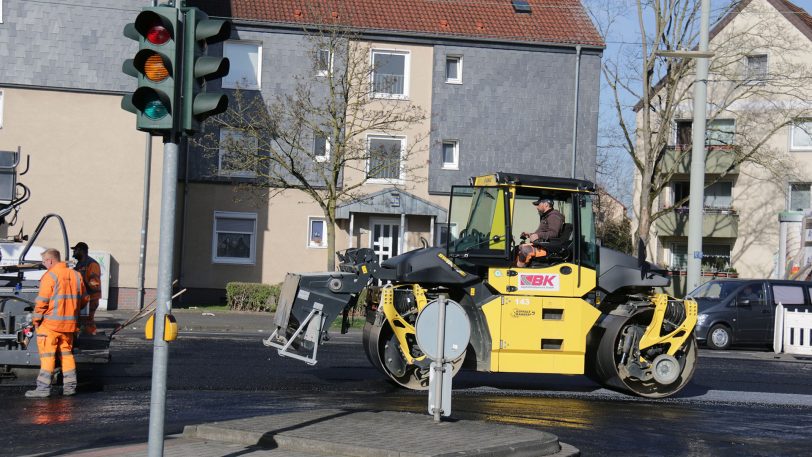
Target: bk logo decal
539,282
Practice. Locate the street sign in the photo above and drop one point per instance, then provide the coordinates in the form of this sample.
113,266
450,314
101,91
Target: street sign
457,330
442,331
445,395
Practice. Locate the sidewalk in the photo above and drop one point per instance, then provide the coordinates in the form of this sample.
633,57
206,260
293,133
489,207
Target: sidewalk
336,432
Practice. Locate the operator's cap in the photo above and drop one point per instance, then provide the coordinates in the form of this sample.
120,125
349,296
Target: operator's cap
543,199
80,245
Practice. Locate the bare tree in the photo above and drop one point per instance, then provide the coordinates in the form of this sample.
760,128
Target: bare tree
314,139
648,93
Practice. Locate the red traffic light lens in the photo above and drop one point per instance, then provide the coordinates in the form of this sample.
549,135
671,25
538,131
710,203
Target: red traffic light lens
158,34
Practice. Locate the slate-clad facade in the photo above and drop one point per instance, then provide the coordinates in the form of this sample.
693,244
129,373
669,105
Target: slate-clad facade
513,111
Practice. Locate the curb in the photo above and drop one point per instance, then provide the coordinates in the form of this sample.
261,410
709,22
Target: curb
312,433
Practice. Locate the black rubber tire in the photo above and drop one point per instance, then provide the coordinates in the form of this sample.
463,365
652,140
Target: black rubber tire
719,337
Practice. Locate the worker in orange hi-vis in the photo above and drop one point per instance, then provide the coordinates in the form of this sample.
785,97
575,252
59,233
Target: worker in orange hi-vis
61,296
91,274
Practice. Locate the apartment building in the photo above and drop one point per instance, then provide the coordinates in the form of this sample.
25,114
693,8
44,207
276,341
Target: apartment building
497,81
757,145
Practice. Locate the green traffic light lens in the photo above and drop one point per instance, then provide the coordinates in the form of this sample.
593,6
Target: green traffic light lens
155,109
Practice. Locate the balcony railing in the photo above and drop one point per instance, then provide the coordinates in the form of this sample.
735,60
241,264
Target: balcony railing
718,159
716,223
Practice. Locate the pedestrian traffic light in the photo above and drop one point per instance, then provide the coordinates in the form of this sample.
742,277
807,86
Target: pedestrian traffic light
199,68
155,66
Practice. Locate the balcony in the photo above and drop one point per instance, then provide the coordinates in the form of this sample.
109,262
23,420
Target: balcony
718,159
716,223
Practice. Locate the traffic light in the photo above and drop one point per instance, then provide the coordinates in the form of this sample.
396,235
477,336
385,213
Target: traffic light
198,104
155,101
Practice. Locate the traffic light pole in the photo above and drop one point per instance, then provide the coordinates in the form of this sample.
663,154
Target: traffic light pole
166,255
166,249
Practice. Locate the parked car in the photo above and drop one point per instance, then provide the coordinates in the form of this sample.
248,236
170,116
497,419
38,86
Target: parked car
742,311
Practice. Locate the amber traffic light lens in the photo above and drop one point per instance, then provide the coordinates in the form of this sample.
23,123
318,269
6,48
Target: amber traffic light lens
154,68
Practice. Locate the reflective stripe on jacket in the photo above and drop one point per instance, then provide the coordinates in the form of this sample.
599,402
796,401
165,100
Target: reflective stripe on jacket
91,274
61,296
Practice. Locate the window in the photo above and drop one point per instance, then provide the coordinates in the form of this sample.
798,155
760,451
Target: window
715,257
384,157
451,155
718,195
788,295
445,233
801,135
799,196
390,70
756,68
453,69
317,232
321,147
237,154
234,238
718,132
324,62
244,60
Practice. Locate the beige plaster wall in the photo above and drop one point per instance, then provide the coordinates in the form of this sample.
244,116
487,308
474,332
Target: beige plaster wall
87,165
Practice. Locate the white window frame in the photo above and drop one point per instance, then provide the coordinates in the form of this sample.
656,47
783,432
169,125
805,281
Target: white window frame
221,152
406,71
327,146
458,79
2,100
401,179
228,83
796,125
1,11
310,244
319,71
454,165
253,248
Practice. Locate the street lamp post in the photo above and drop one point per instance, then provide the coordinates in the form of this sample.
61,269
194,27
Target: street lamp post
697,186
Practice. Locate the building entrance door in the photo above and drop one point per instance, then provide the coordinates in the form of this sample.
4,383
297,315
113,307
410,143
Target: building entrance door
385,238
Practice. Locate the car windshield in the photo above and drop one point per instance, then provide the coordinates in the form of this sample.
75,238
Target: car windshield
715,290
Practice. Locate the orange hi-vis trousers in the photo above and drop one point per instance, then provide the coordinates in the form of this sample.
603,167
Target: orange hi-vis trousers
53,345
526,253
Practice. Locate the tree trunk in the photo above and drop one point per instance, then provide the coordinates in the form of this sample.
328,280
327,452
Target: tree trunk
330,215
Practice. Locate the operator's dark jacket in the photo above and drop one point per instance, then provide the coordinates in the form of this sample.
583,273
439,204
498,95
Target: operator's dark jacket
550,225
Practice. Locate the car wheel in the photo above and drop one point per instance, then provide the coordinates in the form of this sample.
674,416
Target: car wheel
719,337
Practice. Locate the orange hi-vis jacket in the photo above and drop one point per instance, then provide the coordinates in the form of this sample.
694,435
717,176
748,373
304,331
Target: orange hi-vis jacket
91,274
61,295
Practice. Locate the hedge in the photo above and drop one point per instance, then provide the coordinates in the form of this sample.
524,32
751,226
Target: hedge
250,296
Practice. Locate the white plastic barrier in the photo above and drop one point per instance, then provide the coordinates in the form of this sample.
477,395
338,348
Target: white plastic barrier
793,331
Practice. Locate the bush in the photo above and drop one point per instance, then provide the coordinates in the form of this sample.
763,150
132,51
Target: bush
249,296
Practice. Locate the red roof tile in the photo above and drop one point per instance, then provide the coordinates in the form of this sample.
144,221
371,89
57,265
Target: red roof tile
551,21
